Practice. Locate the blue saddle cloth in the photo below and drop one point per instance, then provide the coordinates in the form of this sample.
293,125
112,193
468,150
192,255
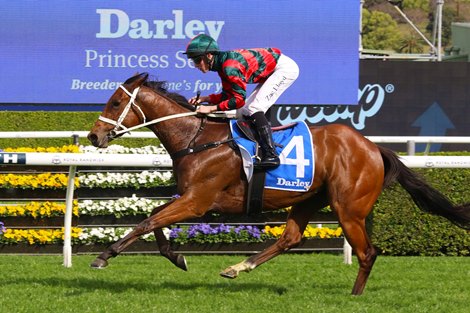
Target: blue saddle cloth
295,149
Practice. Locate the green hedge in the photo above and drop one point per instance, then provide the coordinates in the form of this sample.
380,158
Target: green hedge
398,226
54,121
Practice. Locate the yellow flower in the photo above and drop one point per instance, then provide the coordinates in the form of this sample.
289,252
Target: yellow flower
41,180
38,236
63,149
38,209
310,231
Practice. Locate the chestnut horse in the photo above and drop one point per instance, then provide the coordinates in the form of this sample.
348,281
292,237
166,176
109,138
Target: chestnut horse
350,174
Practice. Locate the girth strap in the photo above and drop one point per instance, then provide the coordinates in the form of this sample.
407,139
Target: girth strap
195,149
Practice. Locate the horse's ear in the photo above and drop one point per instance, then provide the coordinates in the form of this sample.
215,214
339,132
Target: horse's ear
137,80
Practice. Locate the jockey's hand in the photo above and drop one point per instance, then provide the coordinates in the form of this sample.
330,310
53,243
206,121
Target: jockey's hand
198,100
205,109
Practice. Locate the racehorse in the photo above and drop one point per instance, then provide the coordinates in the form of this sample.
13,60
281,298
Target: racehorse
350,174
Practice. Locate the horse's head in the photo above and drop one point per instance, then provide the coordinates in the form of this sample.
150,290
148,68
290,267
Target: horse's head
120,112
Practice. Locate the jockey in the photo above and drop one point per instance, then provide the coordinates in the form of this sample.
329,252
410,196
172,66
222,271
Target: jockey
272,71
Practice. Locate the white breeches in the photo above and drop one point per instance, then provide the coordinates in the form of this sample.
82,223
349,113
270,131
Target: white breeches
267,93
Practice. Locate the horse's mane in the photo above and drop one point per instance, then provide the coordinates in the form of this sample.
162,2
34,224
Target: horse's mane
160,88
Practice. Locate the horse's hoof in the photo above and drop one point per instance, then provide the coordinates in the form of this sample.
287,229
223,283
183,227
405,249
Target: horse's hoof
181,262
229,273
99,263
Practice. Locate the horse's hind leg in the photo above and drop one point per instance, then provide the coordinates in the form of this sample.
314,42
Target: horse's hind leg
296,223
352,211
355,232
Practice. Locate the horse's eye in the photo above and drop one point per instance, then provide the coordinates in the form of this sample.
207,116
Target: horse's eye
115,104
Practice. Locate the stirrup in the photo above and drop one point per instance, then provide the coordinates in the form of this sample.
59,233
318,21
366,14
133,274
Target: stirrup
269,162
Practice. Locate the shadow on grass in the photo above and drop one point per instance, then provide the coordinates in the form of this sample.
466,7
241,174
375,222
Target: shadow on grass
86,285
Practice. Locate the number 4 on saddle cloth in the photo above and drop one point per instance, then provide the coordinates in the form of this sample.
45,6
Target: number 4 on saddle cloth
295,148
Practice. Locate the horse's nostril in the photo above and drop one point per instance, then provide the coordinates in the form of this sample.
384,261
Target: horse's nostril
93,138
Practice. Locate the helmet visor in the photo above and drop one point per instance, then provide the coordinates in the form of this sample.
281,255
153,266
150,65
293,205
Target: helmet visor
197,59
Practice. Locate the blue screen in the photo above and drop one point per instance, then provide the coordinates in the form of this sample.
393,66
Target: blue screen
78,52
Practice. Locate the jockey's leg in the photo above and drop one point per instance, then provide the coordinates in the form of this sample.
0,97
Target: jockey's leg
270,157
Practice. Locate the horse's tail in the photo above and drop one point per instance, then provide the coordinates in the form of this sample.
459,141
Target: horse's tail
426,197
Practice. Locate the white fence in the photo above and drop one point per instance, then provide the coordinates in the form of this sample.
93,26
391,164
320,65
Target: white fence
148,160
410,141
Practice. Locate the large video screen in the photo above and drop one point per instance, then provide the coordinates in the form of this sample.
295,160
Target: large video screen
78,52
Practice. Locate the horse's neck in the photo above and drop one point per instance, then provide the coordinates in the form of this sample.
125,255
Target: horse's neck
176,134
188,132
181,132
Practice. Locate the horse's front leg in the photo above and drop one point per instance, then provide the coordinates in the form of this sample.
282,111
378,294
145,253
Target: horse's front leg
171,213
165,250
164,244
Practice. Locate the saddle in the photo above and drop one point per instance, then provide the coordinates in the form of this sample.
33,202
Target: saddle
247,127
254,197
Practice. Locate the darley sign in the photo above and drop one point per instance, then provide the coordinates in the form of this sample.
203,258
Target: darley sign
78,52
175,28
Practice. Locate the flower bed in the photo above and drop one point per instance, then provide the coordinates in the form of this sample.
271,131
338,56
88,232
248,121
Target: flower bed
63,149
183,235
112,149
36,236
130,180
121,207
90,180
33,181
37,209
195,234
205,233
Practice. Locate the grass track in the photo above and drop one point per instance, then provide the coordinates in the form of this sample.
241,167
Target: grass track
289,283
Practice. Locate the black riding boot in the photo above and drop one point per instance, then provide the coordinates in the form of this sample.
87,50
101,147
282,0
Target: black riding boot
269,157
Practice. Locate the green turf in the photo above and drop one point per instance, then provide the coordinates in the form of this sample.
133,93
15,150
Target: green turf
289,283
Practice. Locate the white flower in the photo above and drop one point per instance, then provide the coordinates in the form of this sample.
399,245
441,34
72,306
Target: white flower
107,235
112,149
134,179
166,232
119,207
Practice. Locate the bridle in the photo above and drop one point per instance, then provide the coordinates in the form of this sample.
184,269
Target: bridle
120,129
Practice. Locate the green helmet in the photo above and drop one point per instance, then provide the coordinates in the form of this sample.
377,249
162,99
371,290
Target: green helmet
200,45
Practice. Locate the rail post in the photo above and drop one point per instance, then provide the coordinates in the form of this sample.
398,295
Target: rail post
67,251
411,147
347,251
